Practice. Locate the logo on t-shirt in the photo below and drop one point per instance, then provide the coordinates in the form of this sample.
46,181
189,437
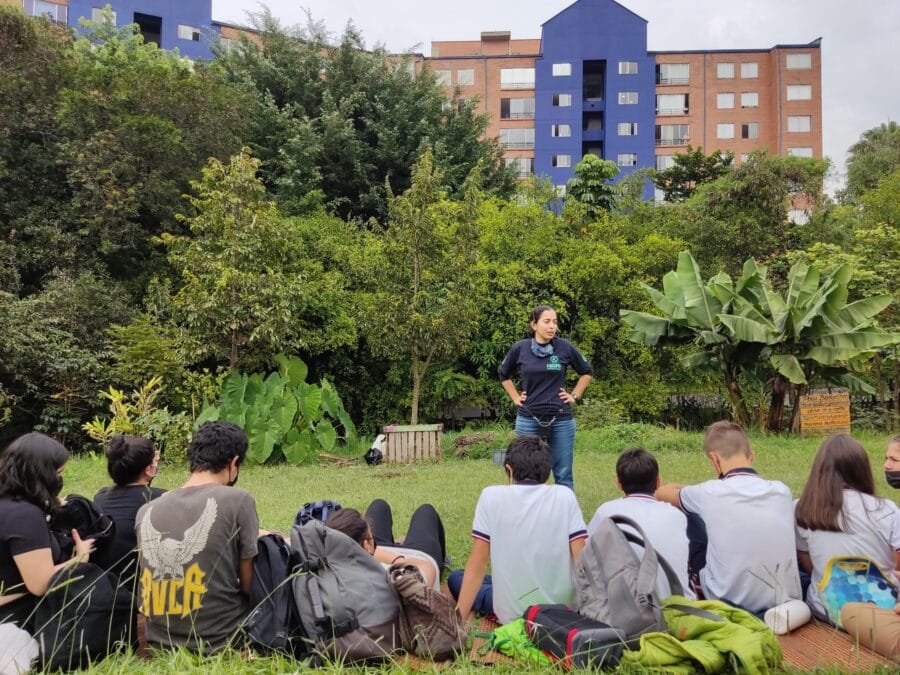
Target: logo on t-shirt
168,585
553,363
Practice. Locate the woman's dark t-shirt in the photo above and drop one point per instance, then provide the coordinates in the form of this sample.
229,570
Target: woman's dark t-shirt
121,503
23,528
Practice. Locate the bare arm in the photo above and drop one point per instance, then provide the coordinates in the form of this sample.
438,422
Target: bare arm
577,390
473,576
576,547
805,561
36,567
510,389
245,572
671,493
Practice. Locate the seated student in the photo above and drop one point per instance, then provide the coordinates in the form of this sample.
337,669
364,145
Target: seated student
31,469
423,545
196,547
132,463
838,514
529,531
637,475
740,527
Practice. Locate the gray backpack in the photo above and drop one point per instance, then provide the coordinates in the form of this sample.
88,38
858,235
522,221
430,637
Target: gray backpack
348,610
614,586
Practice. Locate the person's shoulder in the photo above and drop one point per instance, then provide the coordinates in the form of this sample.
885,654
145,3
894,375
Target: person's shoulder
15,509
610,507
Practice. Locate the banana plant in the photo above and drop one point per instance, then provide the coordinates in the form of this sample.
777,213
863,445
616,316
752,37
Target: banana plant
283,415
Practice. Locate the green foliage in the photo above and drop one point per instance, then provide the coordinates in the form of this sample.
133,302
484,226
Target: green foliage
690,170
284,416
876,154
596,412
591,186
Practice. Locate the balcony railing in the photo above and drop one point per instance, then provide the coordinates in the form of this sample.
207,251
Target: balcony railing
672,111
518,116
517,85
517,145
673,141
672,80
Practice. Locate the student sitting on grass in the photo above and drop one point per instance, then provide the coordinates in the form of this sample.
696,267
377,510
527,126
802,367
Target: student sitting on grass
740,527
637,475
531,532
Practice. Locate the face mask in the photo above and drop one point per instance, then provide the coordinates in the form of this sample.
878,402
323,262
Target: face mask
893,479
57,486
155,468
233,481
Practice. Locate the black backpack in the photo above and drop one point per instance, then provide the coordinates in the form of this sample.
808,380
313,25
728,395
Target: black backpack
74,620
273,624
316,511
78,513
573,640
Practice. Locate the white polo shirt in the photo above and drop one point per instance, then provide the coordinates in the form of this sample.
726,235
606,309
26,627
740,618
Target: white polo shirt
529,527
872,531
665,527
751,560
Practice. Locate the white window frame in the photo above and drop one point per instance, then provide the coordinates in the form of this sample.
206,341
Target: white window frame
97,16
560,130
190,33
725,130
667,104
561,161
749,70
750,127
667,162
798,92
666,135
800,151
681,78
562,69
798,61
561,100
749,99
628,67
627,128
725,70
725,100
799,124
444,77
525,112
627,159
465,77
517,138
628,98
517,78
524,165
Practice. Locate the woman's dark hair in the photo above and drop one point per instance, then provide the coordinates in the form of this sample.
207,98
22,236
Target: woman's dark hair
841,462
529,459
214,445
29,470
351,523
637,471
127,457
536,315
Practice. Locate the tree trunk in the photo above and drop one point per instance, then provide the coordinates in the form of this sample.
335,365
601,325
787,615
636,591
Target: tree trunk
739,407
776,404
797,391
416,385
233,357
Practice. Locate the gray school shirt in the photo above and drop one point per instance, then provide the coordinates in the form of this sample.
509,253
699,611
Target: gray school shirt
190,543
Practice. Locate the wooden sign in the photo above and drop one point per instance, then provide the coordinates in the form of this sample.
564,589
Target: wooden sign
825,414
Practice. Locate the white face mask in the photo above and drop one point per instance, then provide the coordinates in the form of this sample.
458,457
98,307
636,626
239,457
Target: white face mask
154,470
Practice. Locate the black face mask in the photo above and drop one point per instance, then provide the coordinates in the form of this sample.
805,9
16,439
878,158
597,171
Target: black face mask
232,483
893,479
57,486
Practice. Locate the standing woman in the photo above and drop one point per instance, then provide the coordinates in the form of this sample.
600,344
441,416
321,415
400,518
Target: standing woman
31,469
544,405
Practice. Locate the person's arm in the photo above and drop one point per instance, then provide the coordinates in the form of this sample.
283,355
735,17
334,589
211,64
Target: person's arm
805,561
576,546
245,574
577,390
510,389
670,493
37,569
473,576
390,557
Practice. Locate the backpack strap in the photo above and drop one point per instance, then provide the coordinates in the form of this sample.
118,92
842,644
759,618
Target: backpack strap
695,611
650,562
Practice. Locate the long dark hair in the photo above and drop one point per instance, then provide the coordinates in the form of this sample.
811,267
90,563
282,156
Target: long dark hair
841,462
28,470
127,457
351,522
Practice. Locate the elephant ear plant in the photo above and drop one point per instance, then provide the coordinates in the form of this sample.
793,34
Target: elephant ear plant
284,416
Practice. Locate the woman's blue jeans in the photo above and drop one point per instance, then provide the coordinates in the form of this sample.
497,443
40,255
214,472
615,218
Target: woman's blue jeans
562,443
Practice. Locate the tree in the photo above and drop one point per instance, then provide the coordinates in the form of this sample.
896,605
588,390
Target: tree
875,155
422,302
690,170
248,289
591,185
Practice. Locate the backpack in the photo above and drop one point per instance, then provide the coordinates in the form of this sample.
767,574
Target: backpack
430,624
316,511
272,624
78,513
348,610
615,587
74,620
573,640
854,579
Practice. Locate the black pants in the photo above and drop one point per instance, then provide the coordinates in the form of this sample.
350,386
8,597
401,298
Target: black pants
425,533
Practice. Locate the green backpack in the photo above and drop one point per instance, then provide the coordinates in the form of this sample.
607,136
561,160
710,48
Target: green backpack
512,640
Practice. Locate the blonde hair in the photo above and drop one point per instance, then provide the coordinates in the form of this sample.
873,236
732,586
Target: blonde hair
726,439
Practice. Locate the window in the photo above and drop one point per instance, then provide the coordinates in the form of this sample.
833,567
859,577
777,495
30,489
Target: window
750,130
517,139
524,166
561,161
800,152
96,13
560,130
443,77
798,216
671,104
465,77
673,73
517,108
446,106
744,157
628,128
562,69
188,33
672,134
664,162
560,190
725,100
658,195
725,130
799,61
799,123
628,67
750,70
750,99
627,159
57,13
628,97
725,71
799,92
228,45
562,100
517,78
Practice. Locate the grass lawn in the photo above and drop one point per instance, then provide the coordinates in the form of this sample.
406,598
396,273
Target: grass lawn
453,486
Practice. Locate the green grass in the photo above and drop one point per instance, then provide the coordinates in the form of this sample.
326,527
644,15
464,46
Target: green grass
453,486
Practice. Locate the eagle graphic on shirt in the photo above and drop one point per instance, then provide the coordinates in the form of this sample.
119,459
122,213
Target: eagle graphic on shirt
167,557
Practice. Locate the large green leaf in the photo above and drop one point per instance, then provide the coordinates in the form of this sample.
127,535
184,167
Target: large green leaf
699,360
672,289
860,340
326,435
263,438
700,305
293,368
837,296
645,328
300,447
789,366
803,282
745,329
309,396
233,388
209,414
862,311
283,412
331,402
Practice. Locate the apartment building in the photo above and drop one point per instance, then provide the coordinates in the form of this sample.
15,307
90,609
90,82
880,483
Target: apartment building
590,85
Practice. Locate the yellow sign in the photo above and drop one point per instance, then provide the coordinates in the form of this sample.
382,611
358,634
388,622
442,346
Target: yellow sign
825,414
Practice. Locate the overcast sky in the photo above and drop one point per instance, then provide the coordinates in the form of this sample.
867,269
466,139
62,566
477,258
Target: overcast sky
860,40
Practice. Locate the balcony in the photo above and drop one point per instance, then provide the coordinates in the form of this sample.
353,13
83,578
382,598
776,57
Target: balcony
518,116
672,111
672,141
517,145
672,80
517,85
